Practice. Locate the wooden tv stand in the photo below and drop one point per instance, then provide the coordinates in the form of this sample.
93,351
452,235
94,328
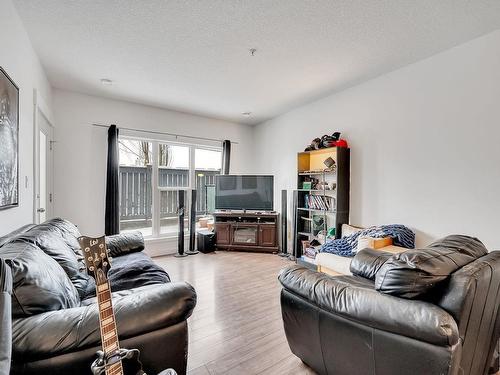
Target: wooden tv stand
246,231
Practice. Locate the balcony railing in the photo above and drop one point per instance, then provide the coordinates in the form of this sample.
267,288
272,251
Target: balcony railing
136,191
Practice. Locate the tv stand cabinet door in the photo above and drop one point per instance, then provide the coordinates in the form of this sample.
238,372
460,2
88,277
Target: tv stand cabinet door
223,233
267,235
245,235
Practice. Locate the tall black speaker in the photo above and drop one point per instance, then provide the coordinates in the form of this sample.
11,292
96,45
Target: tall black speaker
295,220
180,215
192,225
226,156
284,224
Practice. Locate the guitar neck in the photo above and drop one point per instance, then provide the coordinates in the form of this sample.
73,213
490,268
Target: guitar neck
107,326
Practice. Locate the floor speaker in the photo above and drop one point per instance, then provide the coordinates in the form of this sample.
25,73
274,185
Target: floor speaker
295,219
180,215
206,241
192,225
284,224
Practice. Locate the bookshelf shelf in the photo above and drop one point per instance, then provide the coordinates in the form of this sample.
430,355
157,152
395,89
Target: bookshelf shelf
315,210
317,190
315,173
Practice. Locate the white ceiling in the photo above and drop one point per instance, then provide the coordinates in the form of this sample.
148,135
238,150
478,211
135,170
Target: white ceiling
192,55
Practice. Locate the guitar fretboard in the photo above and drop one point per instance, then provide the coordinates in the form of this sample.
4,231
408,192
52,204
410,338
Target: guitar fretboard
108,326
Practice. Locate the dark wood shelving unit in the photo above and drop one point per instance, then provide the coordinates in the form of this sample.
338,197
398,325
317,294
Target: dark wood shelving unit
311,168
247,231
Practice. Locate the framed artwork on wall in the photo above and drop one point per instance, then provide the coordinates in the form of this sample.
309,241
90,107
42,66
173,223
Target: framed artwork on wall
9,142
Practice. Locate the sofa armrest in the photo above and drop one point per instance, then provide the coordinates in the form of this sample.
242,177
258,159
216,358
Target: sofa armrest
367,262
125,243
360,302
145,309
5,317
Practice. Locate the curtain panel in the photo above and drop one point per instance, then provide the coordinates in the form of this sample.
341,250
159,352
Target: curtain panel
112,215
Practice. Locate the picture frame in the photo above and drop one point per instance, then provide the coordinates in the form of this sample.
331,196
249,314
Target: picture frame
9,142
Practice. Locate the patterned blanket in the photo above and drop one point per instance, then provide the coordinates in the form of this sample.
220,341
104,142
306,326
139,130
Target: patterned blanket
347,246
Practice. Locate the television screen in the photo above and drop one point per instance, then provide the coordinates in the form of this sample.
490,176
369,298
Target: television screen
233,192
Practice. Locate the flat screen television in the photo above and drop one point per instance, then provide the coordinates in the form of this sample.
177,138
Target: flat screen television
244,192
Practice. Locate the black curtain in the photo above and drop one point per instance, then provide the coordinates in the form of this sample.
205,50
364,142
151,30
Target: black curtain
226,156
112,215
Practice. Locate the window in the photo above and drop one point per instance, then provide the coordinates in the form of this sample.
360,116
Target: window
208,159
208,164
173,164
154,173
135,185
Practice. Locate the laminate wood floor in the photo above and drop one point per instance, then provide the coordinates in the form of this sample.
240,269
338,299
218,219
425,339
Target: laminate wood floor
236,327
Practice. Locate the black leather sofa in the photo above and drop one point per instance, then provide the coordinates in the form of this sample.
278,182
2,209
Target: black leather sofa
428,311
48,314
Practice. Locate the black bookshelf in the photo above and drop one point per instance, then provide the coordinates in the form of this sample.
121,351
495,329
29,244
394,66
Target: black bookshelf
324,206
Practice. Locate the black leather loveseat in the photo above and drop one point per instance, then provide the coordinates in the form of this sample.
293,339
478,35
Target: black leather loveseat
433,311
48,313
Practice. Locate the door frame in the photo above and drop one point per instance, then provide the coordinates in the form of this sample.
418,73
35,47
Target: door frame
40,108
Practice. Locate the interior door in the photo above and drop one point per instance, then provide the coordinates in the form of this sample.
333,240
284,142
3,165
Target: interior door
44,161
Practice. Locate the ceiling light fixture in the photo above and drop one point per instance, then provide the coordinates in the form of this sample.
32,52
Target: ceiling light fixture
246,114
106,82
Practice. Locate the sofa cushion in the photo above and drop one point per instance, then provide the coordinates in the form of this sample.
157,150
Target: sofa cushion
39,282
69,233
137,311
347,230
125,243
414,273
131,271
334,262
367,262
13,235
134,270
56,238
341,265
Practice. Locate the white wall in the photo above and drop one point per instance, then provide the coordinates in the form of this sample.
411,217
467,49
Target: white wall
21,63
424,141
423,138
80,149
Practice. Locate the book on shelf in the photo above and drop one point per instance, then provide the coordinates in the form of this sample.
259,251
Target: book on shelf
319,202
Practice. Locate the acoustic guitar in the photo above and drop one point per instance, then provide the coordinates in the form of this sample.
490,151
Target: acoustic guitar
112,360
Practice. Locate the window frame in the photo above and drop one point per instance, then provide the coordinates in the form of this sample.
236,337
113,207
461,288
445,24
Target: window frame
156,190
